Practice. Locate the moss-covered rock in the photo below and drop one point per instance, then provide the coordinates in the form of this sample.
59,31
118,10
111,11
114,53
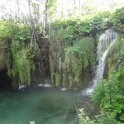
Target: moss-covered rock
3,55
71,66
115,56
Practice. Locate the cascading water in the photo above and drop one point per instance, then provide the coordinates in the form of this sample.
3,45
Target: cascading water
106,41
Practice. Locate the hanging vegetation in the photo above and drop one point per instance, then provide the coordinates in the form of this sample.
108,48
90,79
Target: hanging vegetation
20,52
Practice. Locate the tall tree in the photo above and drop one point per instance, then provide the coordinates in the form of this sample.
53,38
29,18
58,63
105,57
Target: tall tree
49,10
46,16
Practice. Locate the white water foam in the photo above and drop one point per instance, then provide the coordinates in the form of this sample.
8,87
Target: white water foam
63,89
106,41
45,85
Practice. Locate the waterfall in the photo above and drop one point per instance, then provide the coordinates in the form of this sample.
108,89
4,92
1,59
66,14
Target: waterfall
106,41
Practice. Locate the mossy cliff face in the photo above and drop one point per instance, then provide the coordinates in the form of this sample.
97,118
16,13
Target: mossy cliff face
23,66
4,45
68,57
3,54
73,45
72,66
41,74
22,56
115,57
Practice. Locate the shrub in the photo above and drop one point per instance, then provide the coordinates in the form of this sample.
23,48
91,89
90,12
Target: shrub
83,119
77,27
109,94
118,19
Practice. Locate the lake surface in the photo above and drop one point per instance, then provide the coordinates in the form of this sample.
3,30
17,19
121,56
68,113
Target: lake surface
41,105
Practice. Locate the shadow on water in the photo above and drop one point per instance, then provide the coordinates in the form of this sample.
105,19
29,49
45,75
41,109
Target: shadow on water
42,105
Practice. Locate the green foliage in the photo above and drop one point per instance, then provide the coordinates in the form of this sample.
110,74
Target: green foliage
75,50
109,94
120,45
20,51
102,118
83,119
51,6
22,65
76,27
116,54
68,62
105,118
5,29
101,20
58,79
13,30
118,19
83,50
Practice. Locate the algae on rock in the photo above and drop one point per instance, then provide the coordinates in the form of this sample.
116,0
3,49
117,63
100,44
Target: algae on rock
115,56
71,66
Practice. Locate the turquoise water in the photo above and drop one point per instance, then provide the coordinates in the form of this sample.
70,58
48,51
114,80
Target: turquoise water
43,106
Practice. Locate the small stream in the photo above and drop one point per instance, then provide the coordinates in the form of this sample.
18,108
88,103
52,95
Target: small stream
41,105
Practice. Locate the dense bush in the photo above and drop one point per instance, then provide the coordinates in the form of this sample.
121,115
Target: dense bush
118,19
83,118
102,118
77,27
109,94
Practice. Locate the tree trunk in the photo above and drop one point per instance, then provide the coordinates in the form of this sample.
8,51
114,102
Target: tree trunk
79,7
46,17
